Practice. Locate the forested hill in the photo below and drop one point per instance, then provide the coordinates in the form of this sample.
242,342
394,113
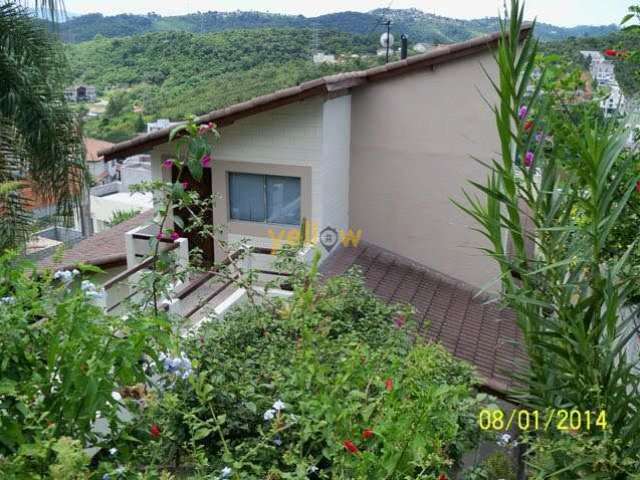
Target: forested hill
173,74
420,26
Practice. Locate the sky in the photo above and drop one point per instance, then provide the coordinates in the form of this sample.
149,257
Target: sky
558,12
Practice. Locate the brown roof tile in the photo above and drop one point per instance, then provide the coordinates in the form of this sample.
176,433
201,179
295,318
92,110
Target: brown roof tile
468,323
104,248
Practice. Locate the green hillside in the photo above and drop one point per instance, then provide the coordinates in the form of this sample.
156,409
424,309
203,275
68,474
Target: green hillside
420,26
173,74
626,71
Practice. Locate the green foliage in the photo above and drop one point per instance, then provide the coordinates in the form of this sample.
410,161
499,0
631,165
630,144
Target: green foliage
568,293
497,466
420,26
39,137
626,69
579,456
336,360
120,216
62,357
174,74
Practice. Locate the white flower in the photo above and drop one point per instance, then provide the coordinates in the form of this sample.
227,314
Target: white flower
87,286
113,451
116,396
504,440
313,469
75,272
278,405
7,300
226,472
65,275
269,414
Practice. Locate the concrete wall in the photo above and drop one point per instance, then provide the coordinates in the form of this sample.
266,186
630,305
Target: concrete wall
411,145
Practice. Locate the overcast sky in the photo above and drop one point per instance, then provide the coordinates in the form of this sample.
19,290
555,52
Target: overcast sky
559,12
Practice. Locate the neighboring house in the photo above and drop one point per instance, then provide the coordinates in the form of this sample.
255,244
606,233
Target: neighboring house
380,153
95,163
81,93
114,196
160,124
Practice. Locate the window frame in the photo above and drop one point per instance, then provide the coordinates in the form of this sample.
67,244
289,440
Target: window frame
264,176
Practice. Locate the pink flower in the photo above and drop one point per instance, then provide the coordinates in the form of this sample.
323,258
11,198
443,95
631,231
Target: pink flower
168,163
367,433
160,236
185,185
204,128
400,321
175,236
522,113
528,159
206,161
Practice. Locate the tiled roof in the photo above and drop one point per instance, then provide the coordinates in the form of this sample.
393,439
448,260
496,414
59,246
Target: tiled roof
320,86
92,146
470,325
102,249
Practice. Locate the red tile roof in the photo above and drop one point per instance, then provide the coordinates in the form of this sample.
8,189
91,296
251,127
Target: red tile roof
472,326
106,248
92,146
312,88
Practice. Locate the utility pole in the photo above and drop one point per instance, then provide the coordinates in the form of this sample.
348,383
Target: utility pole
388,24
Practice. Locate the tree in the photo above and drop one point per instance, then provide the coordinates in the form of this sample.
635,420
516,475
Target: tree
39,137
140,125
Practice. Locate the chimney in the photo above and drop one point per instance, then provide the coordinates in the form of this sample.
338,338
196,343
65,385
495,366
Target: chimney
404,43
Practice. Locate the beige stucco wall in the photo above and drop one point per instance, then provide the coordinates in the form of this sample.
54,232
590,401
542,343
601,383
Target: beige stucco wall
308,139
411,145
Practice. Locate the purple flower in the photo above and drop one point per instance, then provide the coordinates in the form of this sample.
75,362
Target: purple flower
528,159
160,236
175,236
522,113
185,185
539,137
168,163
206,161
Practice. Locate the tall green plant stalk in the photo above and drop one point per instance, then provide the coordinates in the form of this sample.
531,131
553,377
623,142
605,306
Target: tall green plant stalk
566,294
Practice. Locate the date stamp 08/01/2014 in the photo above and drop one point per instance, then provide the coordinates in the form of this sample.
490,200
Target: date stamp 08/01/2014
498,420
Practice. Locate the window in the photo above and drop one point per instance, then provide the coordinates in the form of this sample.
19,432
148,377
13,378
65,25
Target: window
264,198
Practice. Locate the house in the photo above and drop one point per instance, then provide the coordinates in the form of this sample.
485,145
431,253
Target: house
371,160
160,124
94,162
81,93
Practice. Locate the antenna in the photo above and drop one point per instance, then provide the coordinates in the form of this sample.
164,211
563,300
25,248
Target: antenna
386,39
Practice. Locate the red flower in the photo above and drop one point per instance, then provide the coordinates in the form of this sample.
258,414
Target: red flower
185,185
528,126
367,433
443,477
350,446
638,186
389,384
155,431
611,53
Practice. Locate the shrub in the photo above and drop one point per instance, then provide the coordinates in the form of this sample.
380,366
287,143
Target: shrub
62,360
357,400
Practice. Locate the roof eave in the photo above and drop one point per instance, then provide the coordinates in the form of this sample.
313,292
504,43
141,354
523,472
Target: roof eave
320,86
